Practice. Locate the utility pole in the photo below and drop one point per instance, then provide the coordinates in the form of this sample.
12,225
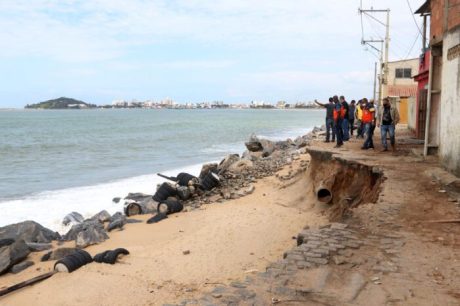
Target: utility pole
424,34
387,49
384,70
382,77
375,79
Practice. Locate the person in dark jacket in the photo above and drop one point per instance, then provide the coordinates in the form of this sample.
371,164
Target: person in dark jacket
329,118
387,120
351,116
345,112
338,121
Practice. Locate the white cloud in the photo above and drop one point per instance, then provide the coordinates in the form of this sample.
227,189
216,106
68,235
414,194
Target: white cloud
238,48
106,29
208,64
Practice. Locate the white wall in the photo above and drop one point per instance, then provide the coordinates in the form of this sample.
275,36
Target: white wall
449,149
411,113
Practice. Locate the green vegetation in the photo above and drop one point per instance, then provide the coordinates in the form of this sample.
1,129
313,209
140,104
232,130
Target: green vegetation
61,103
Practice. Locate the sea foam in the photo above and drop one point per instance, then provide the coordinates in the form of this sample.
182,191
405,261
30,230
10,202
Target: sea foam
50,207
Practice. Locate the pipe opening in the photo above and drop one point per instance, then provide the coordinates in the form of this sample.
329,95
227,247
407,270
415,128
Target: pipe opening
324,195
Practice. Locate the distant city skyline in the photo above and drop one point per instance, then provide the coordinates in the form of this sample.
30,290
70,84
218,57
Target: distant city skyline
170,103
193,51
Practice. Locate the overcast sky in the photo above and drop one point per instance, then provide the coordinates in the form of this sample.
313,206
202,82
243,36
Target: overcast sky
193,50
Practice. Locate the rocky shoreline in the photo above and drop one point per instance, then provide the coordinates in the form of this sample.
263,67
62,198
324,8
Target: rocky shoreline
234,177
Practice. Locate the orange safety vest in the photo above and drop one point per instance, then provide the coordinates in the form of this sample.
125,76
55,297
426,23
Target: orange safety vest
340,112
367,116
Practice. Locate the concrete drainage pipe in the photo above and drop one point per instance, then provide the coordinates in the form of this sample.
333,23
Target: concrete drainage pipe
324,194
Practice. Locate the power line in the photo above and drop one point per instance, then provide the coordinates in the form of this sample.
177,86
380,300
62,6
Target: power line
373,28
386,41
373,52
401,49
413,17
412,47
370,16
368,42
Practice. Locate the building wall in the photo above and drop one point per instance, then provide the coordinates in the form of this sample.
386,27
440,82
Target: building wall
412,113
435,112
422,80
438,19
454,14
412,63
436,23
449,150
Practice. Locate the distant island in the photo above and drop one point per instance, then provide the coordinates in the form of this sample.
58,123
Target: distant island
69,103
61,103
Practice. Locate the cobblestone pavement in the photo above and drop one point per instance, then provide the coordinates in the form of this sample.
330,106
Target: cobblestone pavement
304,275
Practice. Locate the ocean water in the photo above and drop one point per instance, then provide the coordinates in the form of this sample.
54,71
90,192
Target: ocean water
59,161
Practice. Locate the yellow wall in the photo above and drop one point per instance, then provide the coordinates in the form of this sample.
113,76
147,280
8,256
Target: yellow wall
403,110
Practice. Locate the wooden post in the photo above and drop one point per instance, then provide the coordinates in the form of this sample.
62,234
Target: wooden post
26,283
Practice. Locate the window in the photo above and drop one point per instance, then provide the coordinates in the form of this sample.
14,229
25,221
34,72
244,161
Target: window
403,73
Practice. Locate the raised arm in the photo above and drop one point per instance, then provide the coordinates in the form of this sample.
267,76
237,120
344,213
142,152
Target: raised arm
320,104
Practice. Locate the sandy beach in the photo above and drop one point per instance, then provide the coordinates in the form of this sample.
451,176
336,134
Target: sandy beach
227,241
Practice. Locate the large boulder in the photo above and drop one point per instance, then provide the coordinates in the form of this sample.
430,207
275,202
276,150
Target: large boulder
102,216
6,241
73,218
21,266
256,144
268,147
38,247
118,220
303,141
116,216
91,235
29,231
12,254
285,145
58,254
87,233
227,162
317,129
253,145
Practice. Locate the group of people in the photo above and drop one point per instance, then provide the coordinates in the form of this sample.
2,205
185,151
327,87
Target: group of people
342,118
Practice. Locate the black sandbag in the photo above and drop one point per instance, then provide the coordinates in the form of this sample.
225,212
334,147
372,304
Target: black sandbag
165,191
157,218
173,206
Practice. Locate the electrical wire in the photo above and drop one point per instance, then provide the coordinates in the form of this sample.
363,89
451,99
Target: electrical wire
412,47
413,17
380,22
401,49
369,21
372,52
362,27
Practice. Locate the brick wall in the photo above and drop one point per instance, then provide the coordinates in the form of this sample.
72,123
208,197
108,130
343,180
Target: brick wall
437,18
454,14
